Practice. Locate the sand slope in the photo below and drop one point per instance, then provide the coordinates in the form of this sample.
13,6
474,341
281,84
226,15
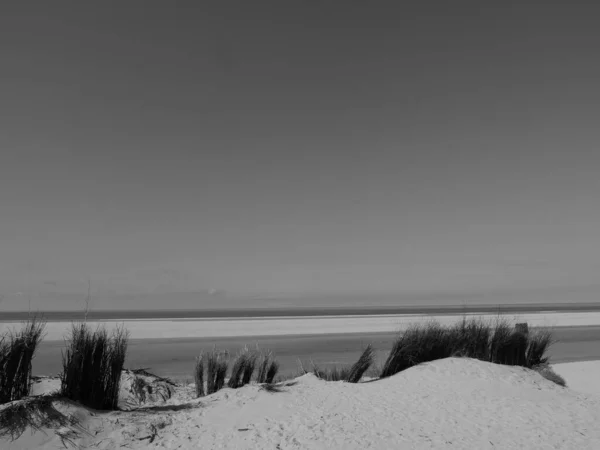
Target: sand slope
450,403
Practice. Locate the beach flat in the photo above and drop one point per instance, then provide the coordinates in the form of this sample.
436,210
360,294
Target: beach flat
277,326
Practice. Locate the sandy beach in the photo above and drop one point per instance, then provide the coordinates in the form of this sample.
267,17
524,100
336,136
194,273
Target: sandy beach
281,326
448,403
458,402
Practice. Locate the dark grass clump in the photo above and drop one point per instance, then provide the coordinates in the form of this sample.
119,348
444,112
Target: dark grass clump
506,346
237,371
34,413
17,350
249,368
92,366
216,371
498,343
199,376
417,345
272,371
242,369
361,366
471,337
267,369
539,343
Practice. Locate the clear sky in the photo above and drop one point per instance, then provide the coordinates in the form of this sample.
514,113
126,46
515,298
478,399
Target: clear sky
298,149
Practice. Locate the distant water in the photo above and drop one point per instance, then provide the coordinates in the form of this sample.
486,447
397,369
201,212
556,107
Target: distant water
175,357
95,315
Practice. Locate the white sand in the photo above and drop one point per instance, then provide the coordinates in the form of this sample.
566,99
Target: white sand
581,376
450,403
277,326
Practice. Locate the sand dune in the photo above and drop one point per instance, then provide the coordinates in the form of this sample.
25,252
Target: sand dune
450,403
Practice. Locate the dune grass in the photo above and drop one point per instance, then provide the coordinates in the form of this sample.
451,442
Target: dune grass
351,374
359,368
199,376
242,369
332,373
539,342
237,370
249,368
212,368
92,365
496,342
267,369
216,371
17,350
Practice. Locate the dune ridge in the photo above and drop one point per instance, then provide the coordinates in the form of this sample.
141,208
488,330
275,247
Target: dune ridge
453,402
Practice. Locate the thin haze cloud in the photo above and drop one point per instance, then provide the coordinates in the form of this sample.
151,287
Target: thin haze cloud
262,150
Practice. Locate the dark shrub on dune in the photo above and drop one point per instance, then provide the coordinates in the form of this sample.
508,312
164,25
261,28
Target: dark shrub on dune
471,337
17,350
92,365
510,349
419,344
499,343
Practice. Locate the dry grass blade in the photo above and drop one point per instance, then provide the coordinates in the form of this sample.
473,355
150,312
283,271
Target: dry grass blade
199,376
144,371
272,387
361,366
34,413
277,387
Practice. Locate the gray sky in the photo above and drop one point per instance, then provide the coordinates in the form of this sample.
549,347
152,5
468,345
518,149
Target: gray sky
323,148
